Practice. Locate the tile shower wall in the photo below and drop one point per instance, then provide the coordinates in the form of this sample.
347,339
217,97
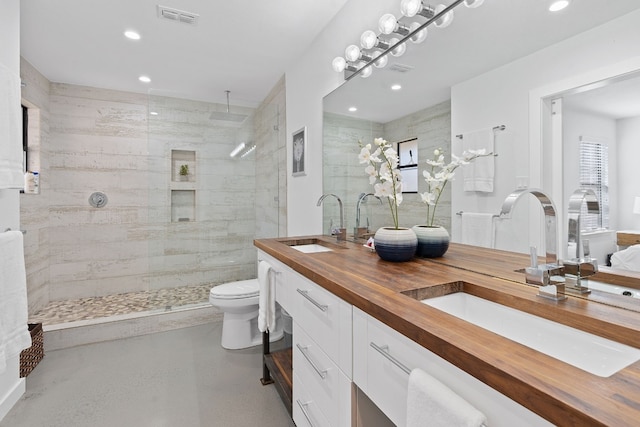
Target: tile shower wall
345,176
34,208
271,171
103,140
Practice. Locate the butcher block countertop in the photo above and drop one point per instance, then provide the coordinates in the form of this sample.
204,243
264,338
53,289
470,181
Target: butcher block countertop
561,393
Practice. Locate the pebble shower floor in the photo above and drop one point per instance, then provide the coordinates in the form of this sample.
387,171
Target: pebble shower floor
58,312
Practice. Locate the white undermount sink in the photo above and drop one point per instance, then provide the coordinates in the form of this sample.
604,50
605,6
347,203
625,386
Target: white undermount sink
591,353
311,248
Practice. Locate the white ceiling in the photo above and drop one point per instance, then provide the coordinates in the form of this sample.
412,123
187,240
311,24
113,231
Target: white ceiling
239,45
245,45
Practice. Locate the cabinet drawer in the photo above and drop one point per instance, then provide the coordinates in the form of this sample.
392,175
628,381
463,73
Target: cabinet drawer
326,318
385,381
282,278
322,379
306,412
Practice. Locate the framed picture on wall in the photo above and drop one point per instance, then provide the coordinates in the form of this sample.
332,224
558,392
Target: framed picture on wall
408,165
299,151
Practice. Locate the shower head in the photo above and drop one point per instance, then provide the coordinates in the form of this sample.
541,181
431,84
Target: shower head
228,116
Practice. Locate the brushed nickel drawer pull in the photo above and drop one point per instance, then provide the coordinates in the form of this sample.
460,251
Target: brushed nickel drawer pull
305,294
384,350
303,350
304,410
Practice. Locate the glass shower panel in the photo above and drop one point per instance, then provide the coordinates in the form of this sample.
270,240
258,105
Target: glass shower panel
201,201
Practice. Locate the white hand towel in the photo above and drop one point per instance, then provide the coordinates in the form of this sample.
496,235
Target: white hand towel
477,229
14,332
478,175
11,175
431,403
267,300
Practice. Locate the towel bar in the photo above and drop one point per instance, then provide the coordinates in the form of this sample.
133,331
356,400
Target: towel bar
459,213
384,350
495,128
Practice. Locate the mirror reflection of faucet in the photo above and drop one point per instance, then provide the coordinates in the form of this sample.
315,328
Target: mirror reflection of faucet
581,265
362,232
340,233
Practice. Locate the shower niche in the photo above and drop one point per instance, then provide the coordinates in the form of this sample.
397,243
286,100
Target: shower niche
183,186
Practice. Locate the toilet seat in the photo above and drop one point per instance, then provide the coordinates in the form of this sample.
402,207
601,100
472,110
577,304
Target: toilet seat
236,290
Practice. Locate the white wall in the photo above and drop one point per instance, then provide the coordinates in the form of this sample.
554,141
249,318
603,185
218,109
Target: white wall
503,96
308,81
629,182
10,59
11,385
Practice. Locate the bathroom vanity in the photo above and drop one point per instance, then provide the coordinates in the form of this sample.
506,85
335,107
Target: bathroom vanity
360,324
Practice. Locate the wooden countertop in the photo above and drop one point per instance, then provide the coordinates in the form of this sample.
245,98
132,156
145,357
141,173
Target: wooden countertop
559,392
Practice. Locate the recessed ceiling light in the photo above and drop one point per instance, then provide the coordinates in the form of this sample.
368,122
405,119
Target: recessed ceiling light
153,113
144,79
396,87
132,35
353,109
558,5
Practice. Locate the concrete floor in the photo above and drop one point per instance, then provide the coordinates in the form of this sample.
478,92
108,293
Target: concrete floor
178,378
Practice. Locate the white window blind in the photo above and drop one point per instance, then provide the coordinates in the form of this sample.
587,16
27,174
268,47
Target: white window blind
594,175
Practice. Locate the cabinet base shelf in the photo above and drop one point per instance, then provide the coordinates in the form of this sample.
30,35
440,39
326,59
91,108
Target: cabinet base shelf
280,367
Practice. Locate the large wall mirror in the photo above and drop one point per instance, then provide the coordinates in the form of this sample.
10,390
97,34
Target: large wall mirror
478,73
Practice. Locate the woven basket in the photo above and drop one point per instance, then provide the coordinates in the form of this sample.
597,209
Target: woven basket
30,357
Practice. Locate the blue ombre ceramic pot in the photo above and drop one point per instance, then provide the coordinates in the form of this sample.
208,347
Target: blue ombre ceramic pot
433,242
395,245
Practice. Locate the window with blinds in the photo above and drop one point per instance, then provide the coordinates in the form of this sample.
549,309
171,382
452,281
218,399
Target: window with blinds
594,175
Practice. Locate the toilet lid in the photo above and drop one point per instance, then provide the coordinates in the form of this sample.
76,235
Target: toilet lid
233,290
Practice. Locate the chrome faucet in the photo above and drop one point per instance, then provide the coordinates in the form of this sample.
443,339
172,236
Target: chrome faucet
542,275
361,231
341,233
582,265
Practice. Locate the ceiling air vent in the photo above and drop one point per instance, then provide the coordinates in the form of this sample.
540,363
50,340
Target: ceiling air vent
177,15
400,68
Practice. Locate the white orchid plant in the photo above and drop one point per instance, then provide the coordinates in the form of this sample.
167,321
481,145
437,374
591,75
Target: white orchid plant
383,173
440,173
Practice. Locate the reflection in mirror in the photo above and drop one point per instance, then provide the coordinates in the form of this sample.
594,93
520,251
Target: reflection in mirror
473,76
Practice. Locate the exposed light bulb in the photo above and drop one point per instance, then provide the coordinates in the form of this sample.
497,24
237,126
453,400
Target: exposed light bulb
380,61
368,39
558,5
420,36
366,72
446,20
387,23
352,53
339,64
410,8
472,4
399,49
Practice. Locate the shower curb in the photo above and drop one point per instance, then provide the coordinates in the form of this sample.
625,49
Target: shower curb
71,334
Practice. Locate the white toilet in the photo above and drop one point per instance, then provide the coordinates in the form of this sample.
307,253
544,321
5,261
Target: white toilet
239,302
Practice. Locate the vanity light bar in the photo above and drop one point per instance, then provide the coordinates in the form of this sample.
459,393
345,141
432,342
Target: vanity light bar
359,62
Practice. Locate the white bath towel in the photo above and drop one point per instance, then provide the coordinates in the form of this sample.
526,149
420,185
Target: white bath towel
477,229
478,175
431,403
267,301
11,175
14,332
